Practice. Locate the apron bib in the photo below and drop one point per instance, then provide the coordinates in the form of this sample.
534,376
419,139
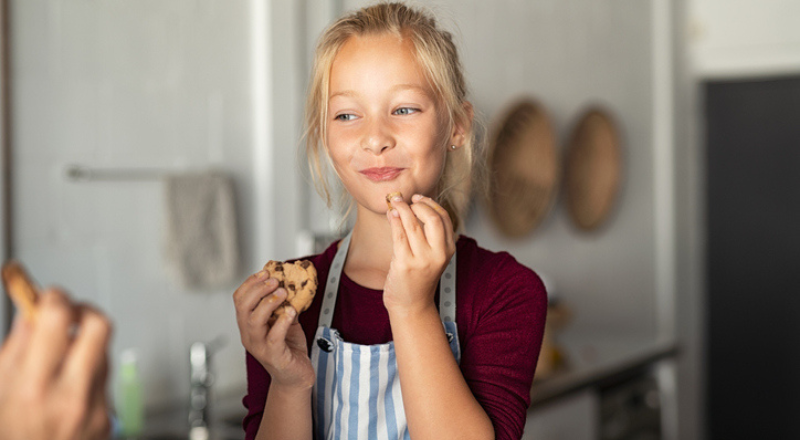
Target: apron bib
357,392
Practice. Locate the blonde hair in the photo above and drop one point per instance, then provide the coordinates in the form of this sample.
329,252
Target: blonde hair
438,57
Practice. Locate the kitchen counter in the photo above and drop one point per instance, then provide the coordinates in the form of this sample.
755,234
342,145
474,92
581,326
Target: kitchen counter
596,360
592,361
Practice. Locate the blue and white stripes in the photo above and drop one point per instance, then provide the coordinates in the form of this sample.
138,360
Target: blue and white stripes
357,392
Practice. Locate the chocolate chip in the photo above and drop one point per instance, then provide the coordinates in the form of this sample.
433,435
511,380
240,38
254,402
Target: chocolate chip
291,287
280,284
303,284
279,267
305,263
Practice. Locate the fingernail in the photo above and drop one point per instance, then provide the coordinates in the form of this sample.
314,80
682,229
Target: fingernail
416,198
270,282
395,213
280,293
291,312
261,274
397,199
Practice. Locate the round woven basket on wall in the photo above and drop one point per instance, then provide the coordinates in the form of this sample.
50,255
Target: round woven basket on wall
592,169
523,161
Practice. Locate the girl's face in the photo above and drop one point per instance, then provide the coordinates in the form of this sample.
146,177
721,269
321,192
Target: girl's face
385,132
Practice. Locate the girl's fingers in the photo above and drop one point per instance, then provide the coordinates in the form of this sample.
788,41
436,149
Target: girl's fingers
433,225
400,245
258,320
447,222
258,277
51,337
411,226
276,338
250,296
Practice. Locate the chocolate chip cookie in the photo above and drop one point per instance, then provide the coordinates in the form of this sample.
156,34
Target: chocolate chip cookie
300,281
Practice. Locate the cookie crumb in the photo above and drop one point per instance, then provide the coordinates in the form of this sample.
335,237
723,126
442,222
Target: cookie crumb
392,195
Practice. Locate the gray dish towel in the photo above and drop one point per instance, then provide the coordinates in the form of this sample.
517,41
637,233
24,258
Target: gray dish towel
202,245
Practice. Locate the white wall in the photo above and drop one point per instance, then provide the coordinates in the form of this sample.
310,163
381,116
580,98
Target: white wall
744,37
175,85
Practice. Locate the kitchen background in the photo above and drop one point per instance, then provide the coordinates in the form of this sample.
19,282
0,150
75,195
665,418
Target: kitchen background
185,85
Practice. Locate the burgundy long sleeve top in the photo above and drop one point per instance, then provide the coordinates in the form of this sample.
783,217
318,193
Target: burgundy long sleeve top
501,307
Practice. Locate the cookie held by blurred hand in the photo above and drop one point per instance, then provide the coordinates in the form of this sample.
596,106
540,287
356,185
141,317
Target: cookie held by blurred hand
300,281
20,288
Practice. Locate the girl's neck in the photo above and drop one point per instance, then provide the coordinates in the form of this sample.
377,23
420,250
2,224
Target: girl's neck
372,240
370,252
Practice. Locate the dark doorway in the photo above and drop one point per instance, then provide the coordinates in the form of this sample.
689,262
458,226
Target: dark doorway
753,230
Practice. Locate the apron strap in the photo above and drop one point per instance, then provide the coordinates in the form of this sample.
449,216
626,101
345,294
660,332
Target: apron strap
447,287
332,286
447,292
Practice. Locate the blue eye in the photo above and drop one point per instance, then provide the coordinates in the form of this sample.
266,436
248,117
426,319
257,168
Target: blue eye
345,117
405,111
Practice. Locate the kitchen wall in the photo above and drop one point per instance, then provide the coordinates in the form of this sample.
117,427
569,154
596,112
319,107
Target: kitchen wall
173,86
754,38
188,84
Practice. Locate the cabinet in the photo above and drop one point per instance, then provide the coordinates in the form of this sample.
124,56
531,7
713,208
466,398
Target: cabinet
616,388
572,417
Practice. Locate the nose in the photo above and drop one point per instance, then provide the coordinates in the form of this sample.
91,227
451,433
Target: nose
377,138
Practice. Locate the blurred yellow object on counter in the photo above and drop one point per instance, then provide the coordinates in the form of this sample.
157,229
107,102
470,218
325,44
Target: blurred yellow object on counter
552,358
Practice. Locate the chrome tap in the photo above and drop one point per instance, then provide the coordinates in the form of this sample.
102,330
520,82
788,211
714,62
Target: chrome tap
201,379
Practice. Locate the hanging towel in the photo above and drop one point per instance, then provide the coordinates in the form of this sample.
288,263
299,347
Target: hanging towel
202,245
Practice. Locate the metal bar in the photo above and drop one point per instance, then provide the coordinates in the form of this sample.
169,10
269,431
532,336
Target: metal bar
78,173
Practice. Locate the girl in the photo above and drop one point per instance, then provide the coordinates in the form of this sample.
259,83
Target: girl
415,331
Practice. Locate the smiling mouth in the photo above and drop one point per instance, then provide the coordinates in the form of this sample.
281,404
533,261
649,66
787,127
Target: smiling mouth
382,174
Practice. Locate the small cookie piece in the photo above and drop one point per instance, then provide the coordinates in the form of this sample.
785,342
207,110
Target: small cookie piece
20,288
300,281
392,195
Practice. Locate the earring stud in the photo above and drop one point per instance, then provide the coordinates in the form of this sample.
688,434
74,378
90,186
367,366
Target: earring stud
453,147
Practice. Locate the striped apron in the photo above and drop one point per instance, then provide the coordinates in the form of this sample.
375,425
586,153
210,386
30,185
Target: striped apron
357,392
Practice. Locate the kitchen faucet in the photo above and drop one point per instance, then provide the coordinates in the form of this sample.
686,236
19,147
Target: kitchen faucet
201,379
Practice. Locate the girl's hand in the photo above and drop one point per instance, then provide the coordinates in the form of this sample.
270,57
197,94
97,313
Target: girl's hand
280,347
423,243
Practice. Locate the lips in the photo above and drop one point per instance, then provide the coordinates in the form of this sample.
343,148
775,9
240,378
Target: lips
381,174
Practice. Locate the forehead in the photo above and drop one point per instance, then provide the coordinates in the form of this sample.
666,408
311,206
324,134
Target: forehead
376,61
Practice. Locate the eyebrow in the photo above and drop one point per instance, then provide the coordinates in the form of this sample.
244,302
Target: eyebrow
398,87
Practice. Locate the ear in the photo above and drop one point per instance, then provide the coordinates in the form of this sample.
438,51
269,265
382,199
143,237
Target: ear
458,136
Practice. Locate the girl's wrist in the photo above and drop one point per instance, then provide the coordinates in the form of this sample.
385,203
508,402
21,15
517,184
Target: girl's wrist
410,312
287,391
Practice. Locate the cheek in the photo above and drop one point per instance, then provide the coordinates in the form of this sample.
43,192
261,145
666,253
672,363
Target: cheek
336,149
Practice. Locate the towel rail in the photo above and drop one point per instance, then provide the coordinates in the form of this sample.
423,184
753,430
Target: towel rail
79,173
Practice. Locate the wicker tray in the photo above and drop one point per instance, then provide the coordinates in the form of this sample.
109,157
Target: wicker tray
592,168
523,162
